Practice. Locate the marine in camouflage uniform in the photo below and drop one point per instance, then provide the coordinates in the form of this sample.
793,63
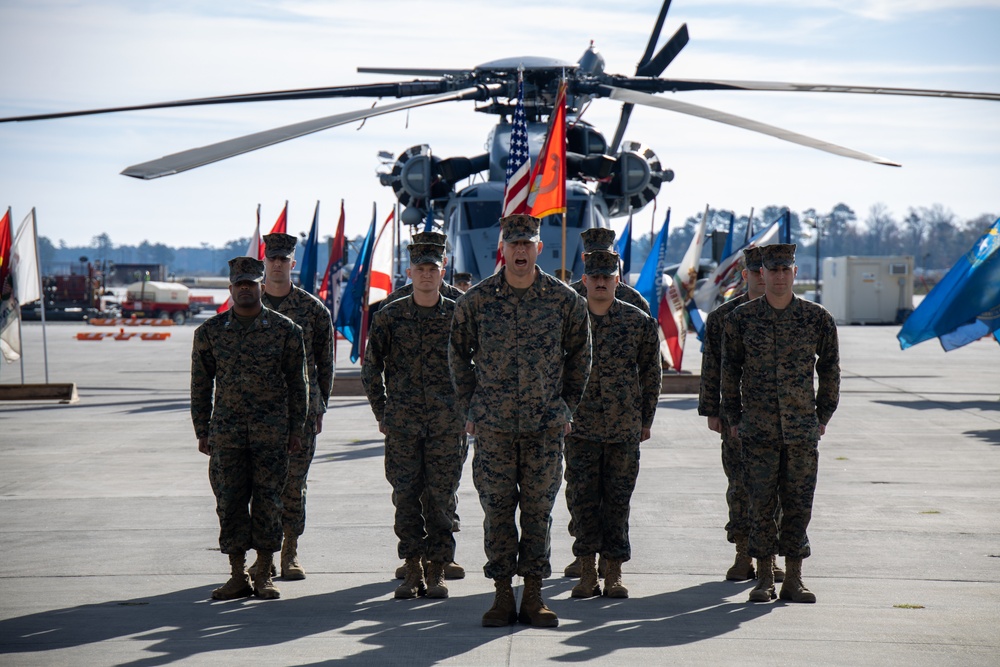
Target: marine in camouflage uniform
406,378
772,348
520,357
248,355
709,405
462,281
600,238
615,415
452,570
317,331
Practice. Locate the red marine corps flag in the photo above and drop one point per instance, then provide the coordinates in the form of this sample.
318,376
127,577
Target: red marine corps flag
548,178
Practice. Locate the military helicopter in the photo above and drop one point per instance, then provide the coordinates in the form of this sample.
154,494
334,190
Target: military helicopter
606,178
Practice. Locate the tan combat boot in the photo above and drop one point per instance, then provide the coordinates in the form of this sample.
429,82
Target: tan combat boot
503,611
779,574
533,609
435,580
252,570
401,571
742,568
263,585
613,587
238,585
573,569
588,586
453,570
793,589
290,567
764,590
413,583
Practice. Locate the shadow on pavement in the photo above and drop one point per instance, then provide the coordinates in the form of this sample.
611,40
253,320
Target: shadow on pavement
944,405
186,623
989,437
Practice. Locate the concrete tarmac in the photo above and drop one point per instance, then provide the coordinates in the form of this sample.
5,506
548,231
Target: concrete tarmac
110,539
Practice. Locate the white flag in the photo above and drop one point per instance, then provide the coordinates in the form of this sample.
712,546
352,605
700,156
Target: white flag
380,274
24,263
10,335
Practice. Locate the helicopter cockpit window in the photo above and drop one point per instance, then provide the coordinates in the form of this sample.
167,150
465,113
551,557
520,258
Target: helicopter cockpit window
575,212
481,214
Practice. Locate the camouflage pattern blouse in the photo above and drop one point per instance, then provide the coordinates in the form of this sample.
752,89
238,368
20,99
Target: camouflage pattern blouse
259,378
709,401
768,364
317,332
623,292
405,370
520,365
625,378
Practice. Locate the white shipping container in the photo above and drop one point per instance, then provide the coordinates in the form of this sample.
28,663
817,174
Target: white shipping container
868,290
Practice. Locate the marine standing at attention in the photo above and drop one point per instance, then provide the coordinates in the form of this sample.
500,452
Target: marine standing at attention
309,313
615,415
772,349
452,570
710,406
247,434
602,239
406,378
520,357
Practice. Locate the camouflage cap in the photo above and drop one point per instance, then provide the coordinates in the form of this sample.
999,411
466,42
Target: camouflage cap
245,268
279,245
426,253
752,258
600,263
564,275
777,254
432,238
598,238
462,277
520,227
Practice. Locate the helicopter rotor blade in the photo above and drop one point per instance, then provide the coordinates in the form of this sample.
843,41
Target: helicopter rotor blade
652,67
667,54
398,89
645,99
655,36
656,85
198,157
414,71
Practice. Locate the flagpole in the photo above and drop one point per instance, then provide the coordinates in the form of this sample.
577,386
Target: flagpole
45,342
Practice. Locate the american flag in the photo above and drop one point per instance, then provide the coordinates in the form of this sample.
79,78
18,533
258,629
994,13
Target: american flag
518,182
515,197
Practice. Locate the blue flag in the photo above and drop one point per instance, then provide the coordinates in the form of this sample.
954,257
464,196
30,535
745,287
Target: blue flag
624,248
649,283
785,230
727,250
970,291
310,262
349,318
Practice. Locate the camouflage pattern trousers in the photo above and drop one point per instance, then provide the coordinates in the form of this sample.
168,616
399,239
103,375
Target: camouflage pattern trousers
247,482
780,481
600,479
736,492
293,498
518,471
456,521
424,472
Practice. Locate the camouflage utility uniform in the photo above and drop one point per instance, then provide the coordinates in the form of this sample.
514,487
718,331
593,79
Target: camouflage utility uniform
317,332
405,375
520,366
623,292
768,366
602,452
710,405
248,429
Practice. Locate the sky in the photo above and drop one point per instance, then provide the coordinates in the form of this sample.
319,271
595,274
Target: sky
58,55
